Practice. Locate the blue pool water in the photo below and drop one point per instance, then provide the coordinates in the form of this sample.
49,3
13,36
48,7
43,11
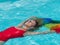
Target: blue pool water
13,12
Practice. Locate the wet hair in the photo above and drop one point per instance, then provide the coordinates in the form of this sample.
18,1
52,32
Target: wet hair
36,25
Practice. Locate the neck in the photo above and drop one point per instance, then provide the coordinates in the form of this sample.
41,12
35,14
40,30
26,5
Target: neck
25,28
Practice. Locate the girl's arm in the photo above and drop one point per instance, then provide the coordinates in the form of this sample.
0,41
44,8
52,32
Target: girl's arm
37,33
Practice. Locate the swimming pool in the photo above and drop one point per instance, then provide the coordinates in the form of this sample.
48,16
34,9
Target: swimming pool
15,11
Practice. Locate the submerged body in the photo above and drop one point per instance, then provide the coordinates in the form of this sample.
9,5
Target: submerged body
11,32
22,29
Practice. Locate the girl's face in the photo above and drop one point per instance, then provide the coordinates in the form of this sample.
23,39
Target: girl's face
30,23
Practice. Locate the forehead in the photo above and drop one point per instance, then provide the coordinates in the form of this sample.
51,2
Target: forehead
32,20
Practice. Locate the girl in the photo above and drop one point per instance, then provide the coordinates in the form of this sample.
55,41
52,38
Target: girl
24,29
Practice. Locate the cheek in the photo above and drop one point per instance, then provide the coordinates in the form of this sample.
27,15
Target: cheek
33,24
30,24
